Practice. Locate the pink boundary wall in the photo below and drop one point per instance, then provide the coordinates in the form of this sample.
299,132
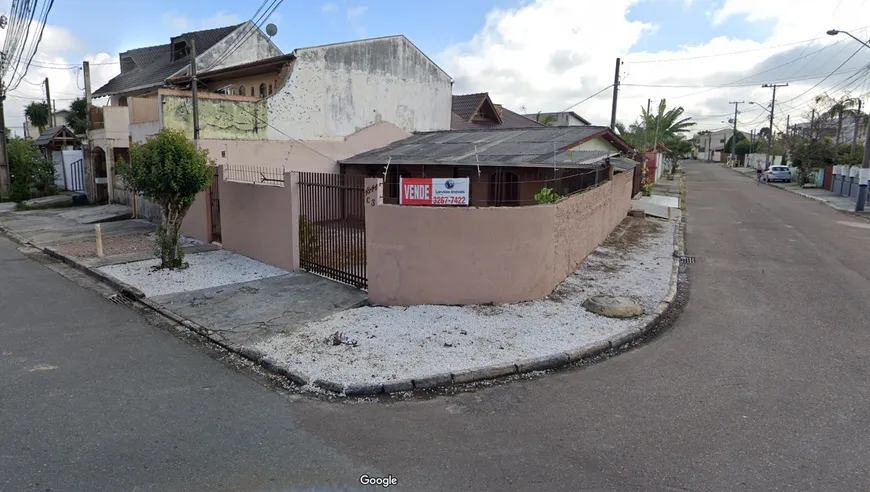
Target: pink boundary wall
421,255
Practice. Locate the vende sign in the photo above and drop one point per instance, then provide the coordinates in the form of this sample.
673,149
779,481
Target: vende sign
433,191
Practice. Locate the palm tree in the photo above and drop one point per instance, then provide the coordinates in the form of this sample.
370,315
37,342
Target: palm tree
836,107
663,125
78,116
38,114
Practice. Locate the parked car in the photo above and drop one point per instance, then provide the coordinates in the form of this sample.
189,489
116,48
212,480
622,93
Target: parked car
777,173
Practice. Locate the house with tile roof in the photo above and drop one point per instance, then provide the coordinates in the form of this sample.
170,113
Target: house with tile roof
475,111
506,166
563,118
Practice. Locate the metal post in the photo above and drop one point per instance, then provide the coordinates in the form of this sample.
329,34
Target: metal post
195,101
615,94
770,125
863,175
48,103
858,118
734,133
5,177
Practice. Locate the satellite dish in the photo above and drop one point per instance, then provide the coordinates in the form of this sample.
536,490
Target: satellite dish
271,30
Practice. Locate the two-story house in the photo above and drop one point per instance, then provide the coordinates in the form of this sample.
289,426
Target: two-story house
144,71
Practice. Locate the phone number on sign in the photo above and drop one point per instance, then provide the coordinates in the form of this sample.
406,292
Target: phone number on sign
448,200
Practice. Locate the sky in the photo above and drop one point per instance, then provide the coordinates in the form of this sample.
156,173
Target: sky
530,55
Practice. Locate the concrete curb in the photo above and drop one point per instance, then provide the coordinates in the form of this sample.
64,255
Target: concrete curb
552,361
123,288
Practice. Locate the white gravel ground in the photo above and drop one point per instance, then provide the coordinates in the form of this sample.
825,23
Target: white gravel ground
206,270
398,343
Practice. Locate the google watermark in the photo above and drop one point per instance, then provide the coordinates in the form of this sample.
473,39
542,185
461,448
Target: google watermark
379,481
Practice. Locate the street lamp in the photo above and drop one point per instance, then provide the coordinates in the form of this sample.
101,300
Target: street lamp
760,106
864,175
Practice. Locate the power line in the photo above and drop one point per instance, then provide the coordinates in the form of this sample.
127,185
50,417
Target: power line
764,48
584,100
256,26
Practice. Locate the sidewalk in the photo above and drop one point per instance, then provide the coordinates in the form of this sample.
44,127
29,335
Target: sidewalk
831,199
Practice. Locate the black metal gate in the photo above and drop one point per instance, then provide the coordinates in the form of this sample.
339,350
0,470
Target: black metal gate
332,229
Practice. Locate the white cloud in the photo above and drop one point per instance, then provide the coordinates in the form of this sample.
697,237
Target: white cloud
329,8
175,21
220,19
56,60
533,56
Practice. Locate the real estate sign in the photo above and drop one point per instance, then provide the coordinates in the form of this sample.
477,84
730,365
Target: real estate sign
433,191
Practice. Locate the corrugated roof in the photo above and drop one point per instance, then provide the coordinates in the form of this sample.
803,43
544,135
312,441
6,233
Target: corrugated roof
503,147
623,164
154,63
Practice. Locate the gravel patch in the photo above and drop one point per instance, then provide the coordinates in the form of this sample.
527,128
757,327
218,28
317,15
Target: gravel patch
384,344
117,245
205,270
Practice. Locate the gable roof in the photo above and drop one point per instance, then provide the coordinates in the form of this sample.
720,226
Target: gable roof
519,147
51,133
154,63
465,106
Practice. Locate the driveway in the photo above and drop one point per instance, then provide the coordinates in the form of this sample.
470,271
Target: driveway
243,314
56,226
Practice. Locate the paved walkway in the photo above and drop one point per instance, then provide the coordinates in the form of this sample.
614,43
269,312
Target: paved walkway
831,199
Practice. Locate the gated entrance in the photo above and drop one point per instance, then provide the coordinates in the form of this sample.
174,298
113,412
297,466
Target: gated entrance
332,231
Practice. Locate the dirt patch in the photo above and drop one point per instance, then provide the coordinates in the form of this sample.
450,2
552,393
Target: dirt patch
630,233
111,246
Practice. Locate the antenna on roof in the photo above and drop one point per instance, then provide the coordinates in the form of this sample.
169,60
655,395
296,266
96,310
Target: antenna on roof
271,30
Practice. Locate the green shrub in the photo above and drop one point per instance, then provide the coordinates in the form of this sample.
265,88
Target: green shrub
32,173
547,195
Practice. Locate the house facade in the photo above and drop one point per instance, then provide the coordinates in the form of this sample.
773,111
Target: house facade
563,118
144,72
506,167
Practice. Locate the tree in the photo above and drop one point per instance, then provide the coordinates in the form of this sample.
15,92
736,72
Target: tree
836,109
38,114
661,126
546,120
170,171
32,173
78,116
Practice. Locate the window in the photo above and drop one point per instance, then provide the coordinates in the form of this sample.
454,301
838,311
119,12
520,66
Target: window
253,94
122,101
127,64
262,90
721,140
179,50
392,183
270,89
241,90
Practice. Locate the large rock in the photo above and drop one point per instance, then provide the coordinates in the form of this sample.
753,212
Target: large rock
613,307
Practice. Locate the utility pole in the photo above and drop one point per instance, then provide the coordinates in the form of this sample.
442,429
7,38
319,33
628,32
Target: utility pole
196,101
857,125
48,103
734,133
709,148
787,142
5,177
770,126
864,175
615,94
751,141
813,124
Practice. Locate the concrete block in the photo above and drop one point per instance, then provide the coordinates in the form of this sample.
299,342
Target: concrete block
587,350
50,201
492,372
637,213
397,386
433,381
542,363
362,389
328,385
624,338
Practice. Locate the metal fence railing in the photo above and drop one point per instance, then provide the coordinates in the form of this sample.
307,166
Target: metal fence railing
260,175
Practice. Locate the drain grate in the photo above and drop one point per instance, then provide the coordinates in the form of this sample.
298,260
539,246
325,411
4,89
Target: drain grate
687,259
120,299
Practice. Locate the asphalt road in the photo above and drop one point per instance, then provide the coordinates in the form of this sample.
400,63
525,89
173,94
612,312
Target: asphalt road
761,384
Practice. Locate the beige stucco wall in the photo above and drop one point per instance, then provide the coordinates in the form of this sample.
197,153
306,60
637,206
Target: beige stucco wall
220,117
596,144
304,156
196,222
257,221
423,255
